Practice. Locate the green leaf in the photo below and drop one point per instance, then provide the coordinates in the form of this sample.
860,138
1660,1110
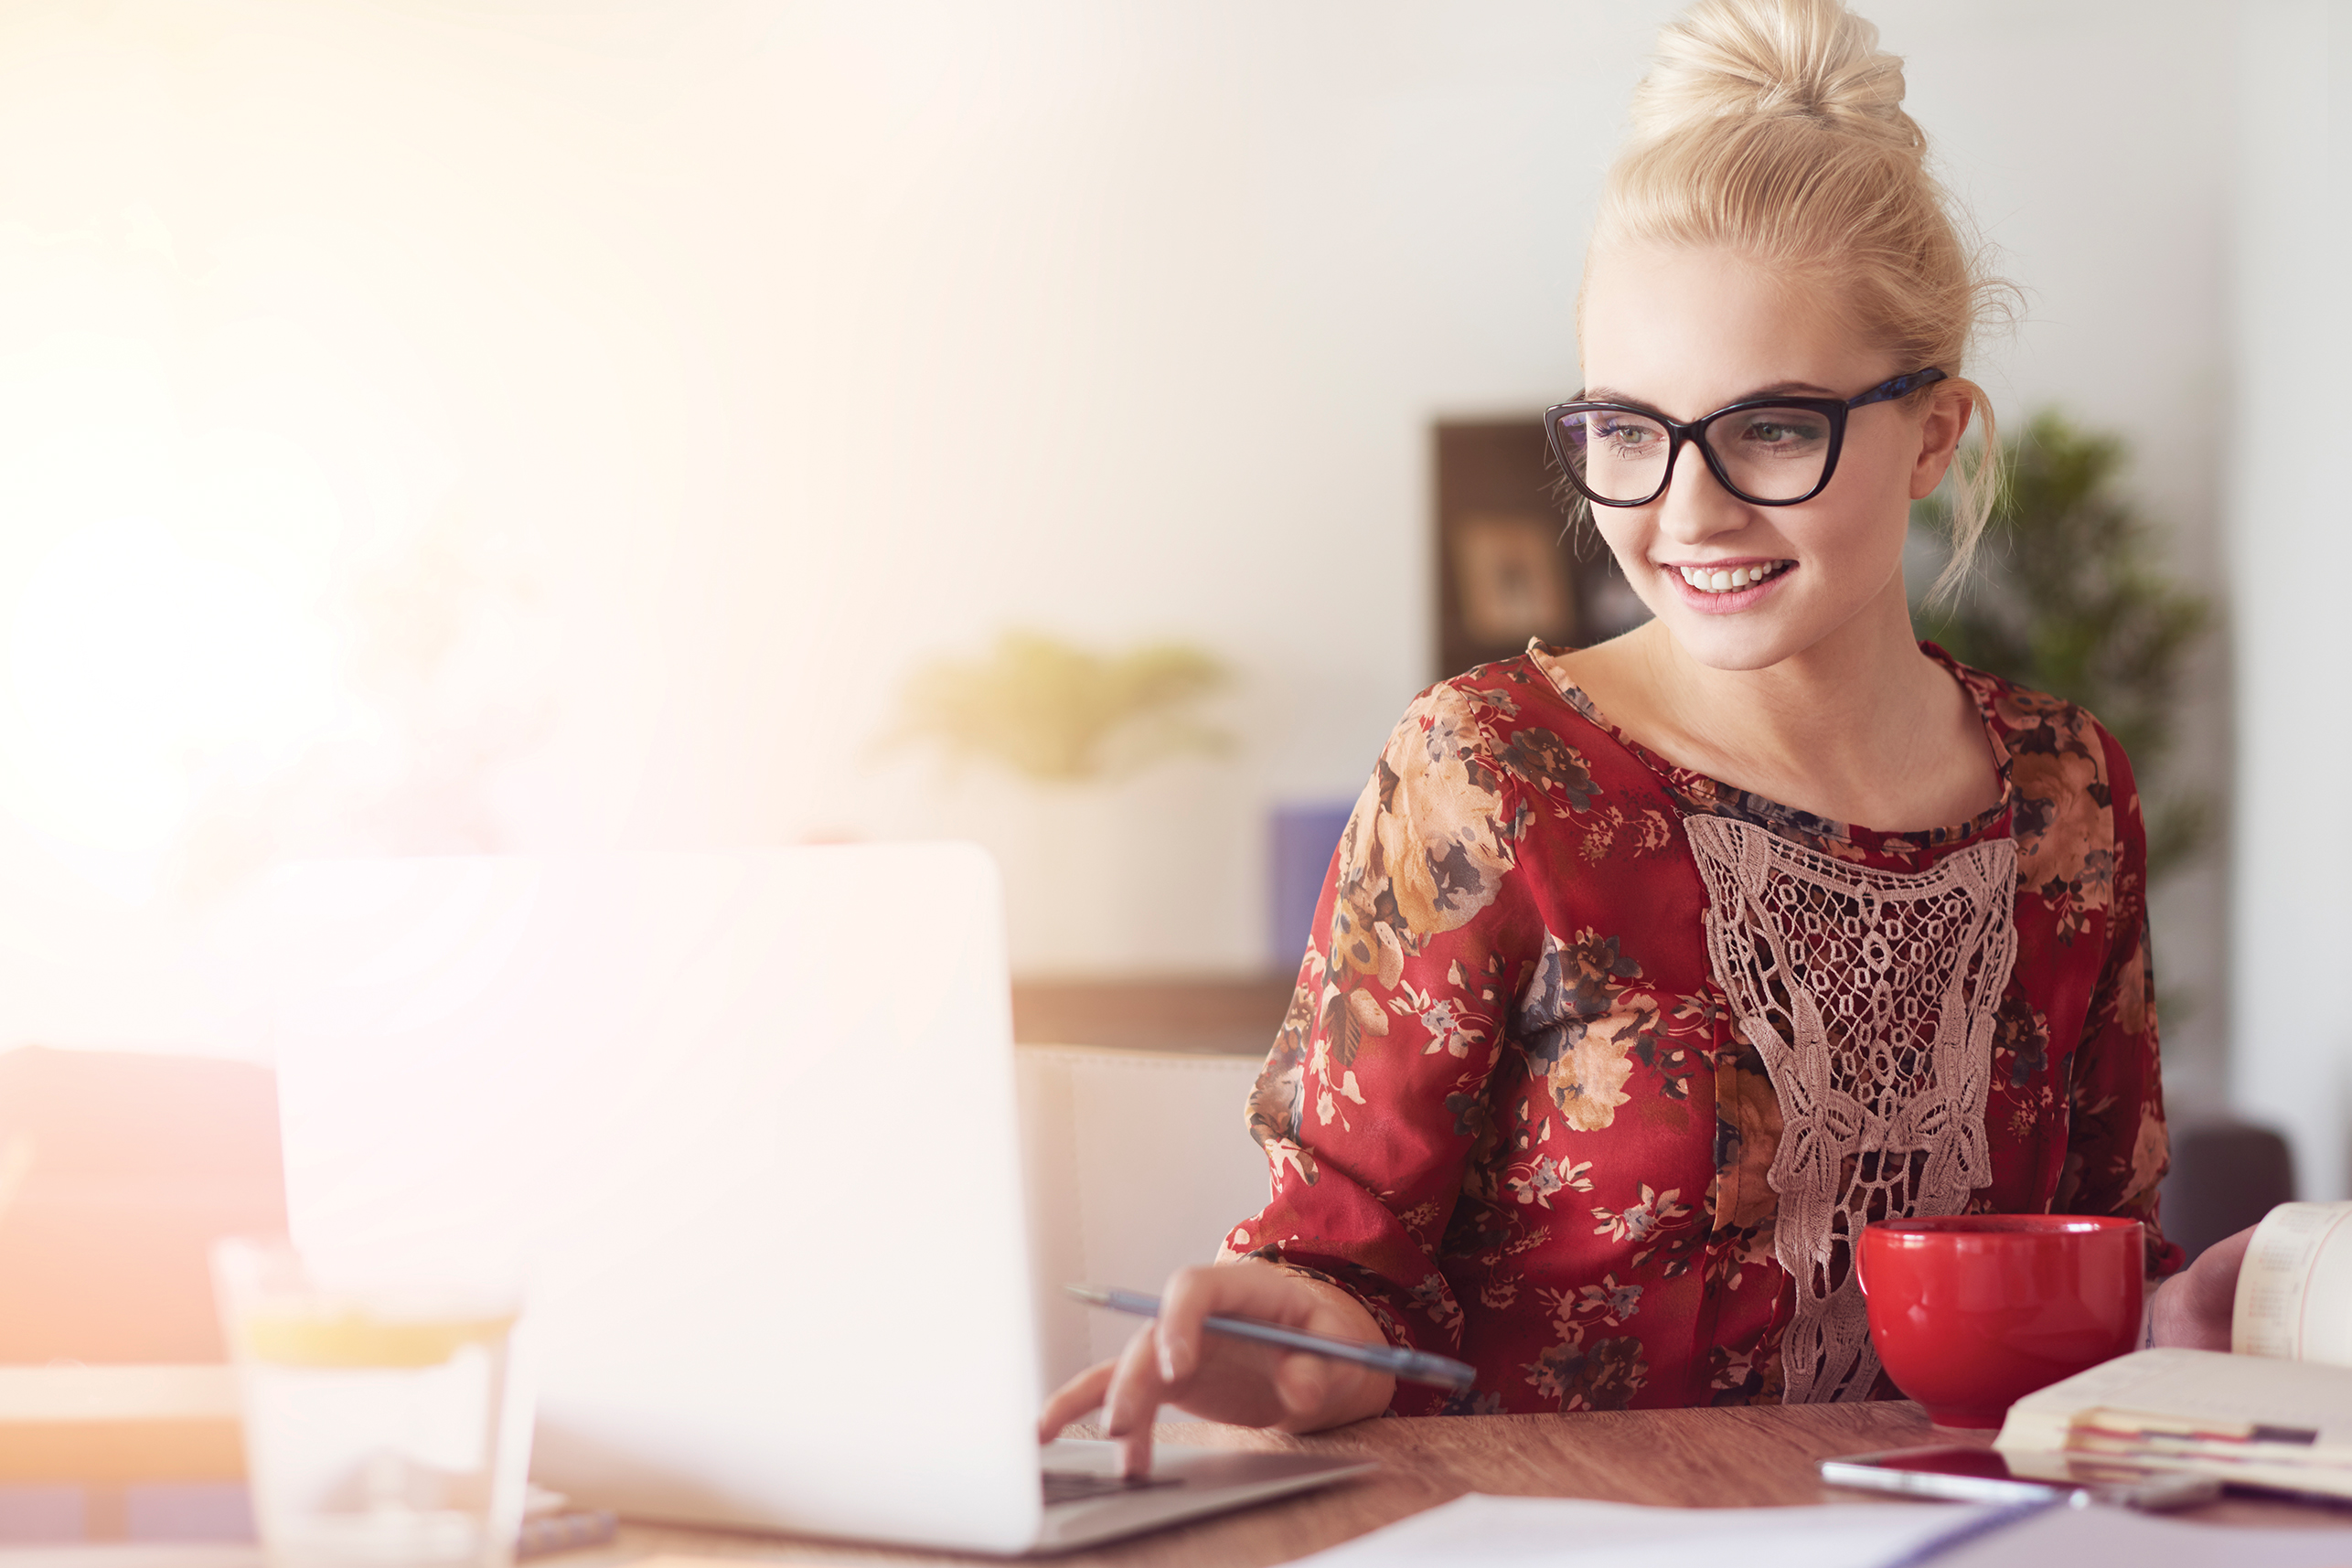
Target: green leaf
1056,713
2068,598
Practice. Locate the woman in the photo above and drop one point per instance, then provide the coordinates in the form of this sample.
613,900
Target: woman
1618,1027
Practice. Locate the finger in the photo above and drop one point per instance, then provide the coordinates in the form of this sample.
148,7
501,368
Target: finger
2210,1284
1073,1399
1132,1401
1248,1288
2222,1262
1185,1301
1302,1383
2194,1308
1255,1288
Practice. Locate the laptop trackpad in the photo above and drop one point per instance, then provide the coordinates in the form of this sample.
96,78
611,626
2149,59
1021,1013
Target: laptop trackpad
1184,1482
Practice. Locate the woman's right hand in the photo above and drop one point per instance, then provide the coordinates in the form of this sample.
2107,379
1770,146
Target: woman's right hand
1173,1360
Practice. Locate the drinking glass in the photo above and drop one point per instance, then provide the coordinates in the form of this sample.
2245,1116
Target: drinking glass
385,1422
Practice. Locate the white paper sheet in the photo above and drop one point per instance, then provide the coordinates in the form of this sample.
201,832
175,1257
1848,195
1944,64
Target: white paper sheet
2118,1538
1561,1533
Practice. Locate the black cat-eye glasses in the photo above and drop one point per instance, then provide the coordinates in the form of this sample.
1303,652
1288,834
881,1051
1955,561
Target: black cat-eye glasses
1770,451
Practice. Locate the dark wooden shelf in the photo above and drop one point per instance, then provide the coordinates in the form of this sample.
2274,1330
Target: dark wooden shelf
1221,1015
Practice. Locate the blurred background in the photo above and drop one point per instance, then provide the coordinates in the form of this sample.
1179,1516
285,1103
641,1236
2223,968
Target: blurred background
434,425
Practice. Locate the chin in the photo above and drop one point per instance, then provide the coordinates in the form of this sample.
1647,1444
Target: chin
1735,646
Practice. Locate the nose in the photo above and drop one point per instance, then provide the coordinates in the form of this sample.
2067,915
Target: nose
1695,506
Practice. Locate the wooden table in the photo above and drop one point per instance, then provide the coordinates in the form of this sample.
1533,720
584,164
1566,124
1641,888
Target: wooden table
1212,1015
1703,1458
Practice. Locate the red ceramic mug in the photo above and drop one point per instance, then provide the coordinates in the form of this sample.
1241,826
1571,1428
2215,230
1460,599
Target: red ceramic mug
1973,1312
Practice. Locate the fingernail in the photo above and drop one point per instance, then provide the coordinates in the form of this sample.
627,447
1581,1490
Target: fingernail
1168,1363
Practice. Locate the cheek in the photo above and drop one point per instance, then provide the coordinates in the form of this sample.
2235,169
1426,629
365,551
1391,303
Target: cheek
1625,533
1880,468
1866,511
1863,532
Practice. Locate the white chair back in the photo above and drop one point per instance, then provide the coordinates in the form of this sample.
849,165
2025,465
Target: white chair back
1138,1163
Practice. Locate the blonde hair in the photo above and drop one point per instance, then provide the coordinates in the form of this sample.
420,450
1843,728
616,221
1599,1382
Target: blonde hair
1775,129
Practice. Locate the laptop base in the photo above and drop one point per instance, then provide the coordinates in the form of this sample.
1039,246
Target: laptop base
1185,1483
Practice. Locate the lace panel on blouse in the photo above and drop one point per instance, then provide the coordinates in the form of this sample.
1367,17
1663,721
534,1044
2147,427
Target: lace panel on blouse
1871,996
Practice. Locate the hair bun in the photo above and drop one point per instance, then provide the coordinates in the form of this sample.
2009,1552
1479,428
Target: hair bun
1774,130
1774,59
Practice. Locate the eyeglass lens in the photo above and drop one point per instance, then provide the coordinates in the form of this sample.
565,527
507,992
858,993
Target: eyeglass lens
1766,454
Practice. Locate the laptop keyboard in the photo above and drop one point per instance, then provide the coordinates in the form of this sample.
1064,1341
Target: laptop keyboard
1077,1486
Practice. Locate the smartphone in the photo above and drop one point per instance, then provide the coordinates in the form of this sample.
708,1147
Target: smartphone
1964,1474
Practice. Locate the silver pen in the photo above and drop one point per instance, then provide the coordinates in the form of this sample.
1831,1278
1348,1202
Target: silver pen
1411,1366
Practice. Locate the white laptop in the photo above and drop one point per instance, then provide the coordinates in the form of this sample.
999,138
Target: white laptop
748,1120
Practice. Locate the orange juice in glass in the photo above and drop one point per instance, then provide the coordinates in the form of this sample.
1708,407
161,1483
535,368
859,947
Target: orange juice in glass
384,1424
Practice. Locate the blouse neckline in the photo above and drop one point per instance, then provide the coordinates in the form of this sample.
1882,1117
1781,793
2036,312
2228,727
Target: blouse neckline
1698,792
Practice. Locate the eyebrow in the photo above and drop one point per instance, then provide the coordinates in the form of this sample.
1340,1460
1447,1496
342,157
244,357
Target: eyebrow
1777,390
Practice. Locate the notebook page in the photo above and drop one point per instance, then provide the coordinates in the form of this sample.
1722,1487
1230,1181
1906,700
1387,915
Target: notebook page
1566,1532
2210,1387
2294,1290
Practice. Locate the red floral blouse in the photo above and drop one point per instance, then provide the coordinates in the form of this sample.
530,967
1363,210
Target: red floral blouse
1521,1110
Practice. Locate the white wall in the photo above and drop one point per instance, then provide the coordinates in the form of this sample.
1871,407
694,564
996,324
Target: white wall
2290,548
717,360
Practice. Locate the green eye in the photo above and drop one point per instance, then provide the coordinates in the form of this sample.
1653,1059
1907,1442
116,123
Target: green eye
1782,432
1630,436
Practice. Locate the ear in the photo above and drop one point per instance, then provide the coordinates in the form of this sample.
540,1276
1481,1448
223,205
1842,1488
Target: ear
1948,408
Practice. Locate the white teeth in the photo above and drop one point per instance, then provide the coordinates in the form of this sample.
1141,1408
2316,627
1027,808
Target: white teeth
1738,577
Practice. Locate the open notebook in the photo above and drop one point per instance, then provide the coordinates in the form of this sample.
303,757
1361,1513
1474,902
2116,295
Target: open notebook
2275,1411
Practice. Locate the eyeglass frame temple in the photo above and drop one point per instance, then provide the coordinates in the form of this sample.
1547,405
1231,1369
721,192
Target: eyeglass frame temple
1677,434
1900,387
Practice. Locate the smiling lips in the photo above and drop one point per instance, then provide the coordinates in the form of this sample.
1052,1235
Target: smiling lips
1730,579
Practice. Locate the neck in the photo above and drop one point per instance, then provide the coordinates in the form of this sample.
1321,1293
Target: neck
1833,728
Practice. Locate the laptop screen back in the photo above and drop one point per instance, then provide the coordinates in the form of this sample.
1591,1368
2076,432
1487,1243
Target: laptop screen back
747,1123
